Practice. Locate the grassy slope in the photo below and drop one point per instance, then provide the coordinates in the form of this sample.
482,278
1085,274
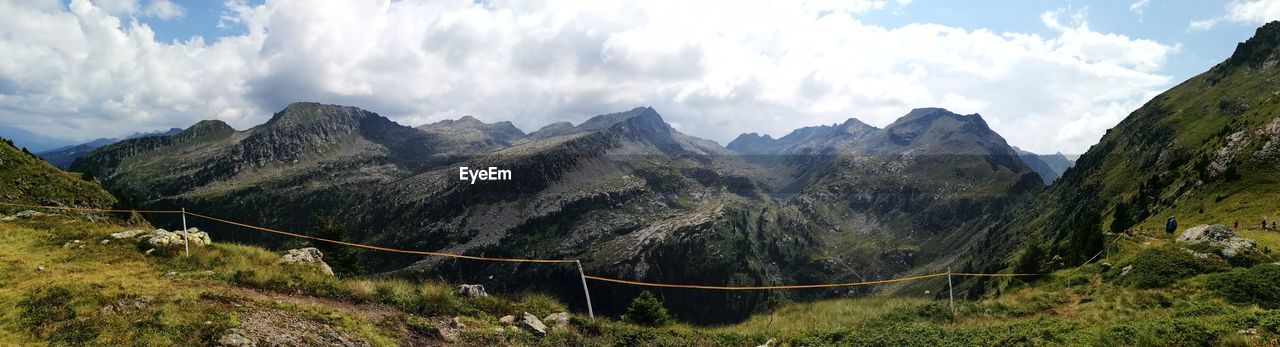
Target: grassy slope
30,180
61,304
1089,306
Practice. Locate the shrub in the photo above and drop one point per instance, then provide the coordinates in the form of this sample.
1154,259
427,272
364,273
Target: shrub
1161,266
647,310
1259,285
1269,321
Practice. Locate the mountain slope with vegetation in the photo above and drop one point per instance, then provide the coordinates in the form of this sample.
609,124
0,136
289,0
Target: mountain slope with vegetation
29,180
1206,151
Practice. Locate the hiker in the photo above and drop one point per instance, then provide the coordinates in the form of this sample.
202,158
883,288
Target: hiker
1171,225
1264,222
1273,224
1235,224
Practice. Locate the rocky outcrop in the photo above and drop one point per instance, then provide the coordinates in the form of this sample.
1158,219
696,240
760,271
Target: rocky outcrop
24,215
1221,236
174,240
309,256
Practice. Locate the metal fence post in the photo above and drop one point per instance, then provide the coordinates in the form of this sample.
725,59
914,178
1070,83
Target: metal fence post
590,311
185,245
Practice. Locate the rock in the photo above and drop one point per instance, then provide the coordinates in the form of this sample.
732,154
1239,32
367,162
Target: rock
149,251
1218,235
531,323
235,340
1106,267
507,320
169,274
309,256
472,290
128,234
558,319
24,215
1125,270
174,240
104,241
769,343
39,267
450,330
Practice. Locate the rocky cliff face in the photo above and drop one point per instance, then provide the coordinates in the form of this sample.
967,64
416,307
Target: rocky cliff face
625,192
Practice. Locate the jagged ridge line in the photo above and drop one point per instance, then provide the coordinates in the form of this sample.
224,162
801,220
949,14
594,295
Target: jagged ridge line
597,278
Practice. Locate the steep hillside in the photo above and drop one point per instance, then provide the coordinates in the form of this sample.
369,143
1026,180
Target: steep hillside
1205,151
29,180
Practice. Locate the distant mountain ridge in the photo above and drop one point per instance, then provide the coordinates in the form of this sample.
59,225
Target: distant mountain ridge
62,157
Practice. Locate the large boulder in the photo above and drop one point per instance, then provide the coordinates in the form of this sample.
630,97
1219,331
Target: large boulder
1218,235
178,239
309,256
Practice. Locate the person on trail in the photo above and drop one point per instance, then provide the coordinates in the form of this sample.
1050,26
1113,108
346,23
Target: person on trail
1171,225
1264,222
1235,224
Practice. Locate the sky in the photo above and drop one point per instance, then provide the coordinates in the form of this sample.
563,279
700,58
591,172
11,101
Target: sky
1049,76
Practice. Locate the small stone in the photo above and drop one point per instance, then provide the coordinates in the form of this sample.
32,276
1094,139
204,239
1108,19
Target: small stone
472,290
235,340
507,320
534,325
149,251
208,322
105,241
558,319
1125,270
169,274
39,267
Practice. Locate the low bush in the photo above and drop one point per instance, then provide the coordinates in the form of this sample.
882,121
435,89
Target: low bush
1161,266
1259,285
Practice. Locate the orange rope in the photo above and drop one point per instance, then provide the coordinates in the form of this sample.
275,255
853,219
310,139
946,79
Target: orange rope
396,250
793,286
90,209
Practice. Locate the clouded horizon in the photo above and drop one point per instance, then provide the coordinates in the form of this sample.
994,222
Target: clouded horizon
1048,77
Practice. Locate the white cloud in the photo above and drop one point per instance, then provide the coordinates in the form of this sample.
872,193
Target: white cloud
164,10
1140,7
767,66
1248,12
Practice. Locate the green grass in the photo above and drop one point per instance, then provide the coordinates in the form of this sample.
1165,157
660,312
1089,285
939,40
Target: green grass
58,306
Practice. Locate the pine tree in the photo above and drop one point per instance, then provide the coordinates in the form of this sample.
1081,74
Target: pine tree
647,310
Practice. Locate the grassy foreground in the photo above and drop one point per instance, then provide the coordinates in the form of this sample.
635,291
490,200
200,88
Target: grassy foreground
56,291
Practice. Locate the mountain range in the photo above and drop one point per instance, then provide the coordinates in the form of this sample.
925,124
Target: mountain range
625,192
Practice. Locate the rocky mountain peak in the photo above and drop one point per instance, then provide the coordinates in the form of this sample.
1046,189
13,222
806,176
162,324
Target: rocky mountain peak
208,126
1259,51
303,113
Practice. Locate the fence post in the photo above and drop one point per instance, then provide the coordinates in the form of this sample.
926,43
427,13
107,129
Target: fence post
590,312
951,293
185,246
